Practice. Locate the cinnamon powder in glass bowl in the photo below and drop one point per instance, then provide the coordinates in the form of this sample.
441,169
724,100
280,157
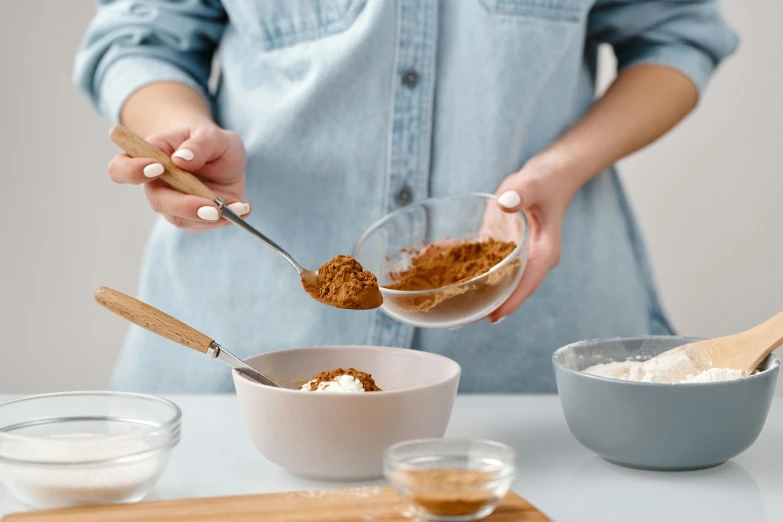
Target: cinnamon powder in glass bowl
446,262
451,479
449,264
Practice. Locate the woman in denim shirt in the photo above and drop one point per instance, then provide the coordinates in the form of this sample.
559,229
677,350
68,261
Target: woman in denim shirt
328,114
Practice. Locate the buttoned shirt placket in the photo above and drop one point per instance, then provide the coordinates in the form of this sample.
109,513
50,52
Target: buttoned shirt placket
410,141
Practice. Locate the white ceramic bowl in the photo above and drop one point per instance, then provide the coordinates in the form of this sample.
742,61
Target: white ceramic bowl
343,437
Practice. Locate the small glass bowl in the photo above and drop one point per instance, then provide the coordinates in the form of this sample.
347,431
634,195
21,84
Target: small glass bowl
80,448
385,248
451,480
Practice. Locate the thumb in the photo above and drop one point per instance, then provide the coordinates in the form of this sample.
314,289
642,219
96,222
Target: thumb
517,192
204,145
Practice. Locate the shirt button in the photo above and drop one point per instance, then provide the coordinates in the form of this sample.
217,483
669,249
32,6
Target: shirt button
410,79
404,196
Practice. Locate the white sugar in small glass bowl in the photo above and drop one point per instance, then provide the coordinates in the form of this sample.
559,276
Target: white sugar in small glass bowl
80,448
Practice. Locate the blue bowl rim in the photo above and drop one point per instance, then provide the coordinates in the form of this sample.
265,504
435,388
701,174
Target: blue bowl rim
772,365
520,246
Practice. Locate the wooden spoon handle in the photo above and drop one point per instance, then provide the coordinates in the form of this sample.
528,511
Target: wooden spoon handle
136,147
152,319
769,334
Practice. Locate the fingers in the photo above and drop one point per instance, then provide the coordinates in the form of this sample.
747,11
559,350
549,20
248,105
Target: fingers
537,268
124,169
215,155
204,144
186,211
510,200
544,256
531,190
519,191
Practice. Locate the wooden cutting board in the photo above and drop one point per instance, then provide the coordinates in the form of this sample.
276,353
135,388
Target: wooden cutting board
330,505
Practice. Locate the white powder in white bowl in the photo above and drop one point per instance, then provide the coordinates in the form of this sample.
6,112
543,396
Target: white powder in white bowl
72,484
342,384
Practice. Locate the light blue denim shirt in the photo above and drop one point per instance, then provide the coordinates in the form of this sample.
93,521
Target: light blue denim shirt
350,109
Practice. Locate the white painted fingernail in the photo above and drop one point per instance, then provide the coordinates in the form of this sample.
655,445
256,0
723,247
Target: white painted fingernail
239,208
499,320
153,170
185,154
208,213
509,199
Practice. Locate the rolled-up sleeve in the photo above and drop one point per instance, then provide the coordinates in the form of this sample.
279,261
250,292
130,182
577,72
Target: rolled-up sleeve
131,43
688,35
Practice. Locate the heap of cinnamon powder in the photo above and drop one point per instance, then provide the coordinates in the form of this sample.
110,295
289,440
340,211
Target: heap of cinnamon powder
343,283
365,378
435,268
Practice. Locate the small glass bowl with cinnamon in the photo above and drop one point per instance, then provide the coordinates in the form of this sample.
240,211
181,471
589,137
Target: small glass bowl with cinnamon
451,480
448,261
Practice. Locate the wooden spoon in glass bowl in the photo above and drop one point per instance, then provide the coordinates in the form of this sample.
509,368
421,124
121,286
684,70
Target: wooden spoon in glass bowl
341,282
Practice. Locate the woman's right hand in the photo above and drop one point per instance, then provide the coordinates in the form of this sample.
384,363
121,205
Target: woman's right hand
215,155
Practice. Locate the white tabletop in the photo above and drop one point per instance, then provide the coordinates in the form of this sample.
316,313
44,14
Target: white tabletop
557,475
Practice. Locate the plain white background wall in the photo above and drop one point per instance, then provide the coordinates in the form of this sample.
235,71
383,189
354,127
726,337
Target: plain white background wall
707,197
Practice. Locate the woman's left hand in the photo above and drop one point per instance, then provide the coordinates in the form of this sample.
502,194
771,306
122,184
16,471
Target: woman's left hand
543,194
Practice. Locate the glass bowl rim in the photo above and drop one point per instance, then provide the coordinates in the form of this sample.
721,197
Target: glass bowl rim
508,469
172,426
514,253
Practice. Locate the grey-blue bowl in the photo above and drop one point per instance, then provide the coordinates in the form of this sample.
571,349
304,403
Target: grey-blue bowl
653,426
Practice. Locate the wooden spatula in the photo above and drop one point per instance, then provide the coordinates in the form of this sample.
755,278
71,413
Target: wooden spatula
742,351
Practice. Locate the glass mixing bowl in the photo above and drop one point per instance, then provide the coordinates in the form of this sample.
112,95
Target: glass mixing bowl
386,248
78,448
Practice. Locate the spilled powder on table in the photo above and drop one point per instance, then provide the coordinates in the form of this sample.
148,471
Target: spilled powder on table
371,512
339,492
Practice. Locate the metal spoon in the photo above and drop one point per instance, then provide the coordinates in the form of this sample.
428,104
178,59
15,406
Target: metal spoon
136,147
155,321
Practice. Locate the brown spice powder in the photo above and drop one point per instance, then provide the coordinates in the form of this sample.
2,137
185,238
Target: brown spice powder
343,283
450,492
435,268
365,378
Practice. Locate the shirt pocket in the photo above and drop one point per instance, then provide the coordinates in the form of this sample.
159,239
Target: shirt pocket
557,10
281,23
